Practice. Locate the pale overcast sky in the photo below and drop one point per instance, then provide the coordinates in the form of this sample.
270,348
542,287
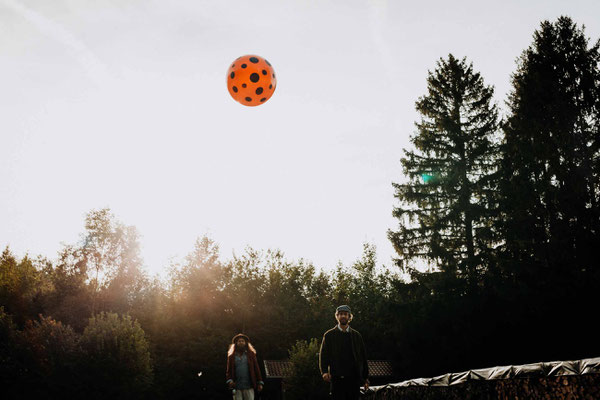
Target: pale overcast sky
123,104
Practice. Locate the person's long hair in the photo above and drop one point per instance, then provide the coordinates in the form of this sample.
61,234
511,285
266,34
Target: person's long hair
232,348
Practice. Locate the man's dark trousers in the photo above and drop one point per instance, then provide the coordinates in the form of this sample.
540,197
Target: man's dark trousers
346,388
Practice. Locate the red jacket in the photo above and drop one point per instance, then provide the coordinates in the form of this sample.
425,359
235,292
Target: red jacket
255,375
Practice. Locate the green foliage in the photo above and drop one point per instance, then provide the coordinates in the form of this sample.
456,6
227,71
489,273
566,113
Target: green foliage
448,205
551,163
196,284
306,381
42,360
21,282
52,356
108,258
549,184
53,344
71,298
118,357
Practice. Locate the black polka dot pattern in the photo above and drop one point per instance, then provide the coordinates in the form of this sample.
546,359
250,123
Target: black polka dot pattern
251,80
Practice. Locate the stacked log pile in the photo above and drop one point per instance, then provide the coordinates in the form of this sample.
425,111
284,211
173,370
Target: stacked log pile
584,387
569,380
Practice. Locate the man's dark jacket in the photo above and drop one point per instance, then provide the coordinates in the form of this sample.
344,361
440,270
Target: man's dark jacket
331,348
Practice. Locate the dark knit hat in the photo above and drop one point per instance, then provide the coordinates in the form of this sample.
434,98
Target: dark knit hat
240,335
343,308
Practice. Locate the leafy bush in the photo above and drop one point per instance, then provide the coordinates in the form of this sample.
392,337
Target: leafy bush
305,381
43,360
52,357
117,355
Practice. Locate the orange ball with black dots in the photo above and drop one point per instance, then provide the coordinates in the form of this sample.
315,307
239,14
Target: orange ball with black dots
251,80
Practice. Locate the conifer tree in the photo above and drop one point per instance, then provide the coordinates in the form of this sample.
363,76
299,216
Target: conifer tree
550,166
447,206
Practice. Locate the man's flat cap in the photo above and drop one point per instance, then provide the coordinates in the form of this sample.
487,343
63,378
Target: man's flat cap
343,308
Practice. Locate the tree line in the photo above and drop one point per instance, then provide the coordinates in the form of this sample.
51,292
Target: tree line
498,223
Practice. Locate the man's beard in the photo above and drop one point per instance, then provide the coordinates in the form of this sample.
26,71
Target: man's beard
343,321
240,349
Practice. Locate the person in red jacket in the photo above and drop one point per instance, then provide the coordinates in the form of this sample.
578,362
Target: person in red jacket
243,374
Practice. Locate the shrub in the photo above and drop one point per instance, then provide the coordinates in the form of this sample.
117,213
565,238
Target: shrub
117,356
305,381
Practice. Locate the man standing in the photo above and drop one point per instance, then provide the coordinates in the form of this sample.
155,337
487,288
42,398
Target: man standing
343,358
243,374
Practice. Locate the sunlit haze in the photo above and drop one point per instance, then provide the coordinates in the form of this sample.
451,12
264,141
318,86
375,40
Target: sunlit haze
123,104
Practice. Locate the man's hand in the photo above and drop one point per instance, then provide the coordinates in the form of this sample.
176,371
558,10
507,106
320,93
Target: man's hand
259,388
327,377
366,385
232,384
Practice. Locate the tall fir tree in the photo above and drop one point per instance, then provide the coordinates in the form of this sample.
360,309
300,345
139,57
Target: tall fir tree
550,167
448,204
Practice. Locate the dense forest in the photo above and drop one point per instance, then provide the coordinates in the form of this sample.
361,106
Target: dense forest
498,224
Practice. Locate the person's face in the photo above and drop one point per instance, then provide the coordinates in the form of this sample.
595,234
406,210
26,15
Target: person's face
343,317
240,343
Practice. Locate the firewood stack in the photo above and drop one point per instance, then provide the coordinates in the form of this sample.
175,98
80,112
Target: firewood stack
558,380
